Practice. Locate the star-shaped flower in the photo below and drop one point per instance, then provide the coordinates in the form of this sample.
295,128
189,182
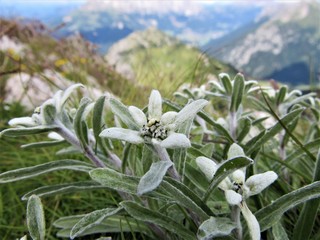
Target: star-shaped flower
48,112
155,127
237,189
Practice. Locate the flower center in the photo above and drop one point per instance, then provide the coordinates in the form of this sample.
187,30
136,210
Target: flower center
153,129
237,187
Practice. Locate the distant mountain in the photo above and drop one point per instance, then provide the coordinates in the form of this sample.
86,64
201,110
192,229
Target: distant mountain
283,44
107,22
153,58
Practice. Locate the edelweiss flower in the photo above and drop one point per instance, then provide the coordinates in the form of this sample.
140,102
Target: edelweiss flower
155,127
236,188
48,111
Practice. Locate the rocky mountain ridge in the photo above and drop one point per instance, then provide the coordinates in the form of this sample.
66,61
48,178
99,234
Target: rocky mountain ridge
283,44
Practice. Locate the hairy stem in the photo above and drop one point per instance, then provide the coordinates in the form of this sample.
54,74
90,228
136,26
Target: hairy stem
115,159
164,156
235,216
73,140
233,124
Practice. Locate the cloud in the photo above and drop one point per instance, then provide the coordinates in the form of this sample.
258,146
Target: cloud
187,7
41,2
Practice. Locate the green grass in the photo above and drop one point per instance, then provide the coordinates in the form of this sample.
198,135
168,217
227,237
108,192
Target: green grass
167,67
13,209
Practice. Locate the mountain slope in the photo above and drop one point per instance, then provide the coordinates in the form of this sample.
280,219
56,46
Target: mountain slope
153,58
33,65
282,44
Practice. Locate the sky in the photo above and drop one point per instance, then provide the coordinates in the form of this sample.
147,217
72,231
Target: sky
42,9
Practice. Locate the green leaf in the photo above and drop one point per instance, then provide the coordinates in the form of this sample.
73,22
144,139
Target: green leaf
28,172
112,224
208,149
123,113
115,223
98,229
217,127
189,111
180,193
43,144
67,222
235,151
226,82
270,133
215,227
121,182
278,232
68,151
225,169
243,128
65,233
16,132
153,177
309,213
67,92
80,126
49,113
97,120
196,177
188,92
237,92
115,180
258,104
312,145
195,152
146,215
168,189
180,154
65,188
300,99
281,94
92,219
35,218
270,214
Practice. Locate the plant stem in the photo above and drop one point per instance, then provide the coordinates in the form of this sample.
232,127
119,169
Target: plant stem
233,125
235,216
164,156
115,159
73,140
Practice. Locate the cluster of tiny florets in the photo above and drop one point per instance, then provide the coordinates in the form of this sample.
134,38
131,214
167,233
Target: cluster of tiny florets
237,187
153,129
